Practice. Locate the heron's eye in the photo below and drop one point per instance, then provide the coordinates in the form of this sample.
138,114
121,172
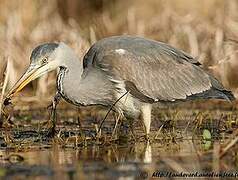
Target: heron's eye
44,60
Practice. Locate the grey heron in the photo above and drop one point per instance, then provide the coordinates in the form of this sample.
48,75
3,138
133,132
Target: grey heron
150,71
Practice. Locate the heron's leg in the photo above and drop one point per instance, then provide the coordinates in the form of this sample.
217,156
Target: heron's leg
53,115
146,118
147,158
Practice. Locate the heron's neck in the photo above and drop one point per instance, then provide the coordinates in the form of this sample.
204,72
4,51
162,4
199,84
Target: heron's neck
88,88
78,85
70,61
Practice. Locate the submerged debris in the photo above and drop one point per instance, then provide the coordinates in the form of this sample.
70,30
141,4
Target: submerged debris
7,101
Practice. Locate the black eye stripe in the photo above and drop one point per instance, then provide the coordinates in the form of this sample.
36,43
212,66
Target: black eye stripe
43,50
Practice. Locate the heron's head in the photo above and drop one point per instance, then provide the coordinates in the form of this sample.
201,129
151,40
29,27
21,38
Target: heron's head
43,59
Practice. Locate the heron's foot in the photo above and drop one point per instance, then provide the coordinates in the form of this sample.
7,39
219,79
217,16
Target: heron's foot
51,130
50,125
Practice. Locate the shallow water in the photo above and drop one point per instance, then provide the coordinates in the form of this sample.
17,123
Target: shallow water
178,144
140,160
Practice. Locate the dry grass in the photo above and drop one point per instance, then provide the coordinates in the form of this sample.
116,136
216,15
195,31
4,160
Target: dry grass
4,84
206,29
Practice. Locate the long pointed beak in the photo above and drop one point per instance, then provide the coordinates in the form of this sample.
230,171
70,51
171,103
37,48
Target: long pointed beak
31,74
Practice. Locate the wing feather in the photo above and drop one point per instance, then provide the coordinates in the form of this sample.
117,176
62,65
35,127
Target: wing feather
155,69
159,78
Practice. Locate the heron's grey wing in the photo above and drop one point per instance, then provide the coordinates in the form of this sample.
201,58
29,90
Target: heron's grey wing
153,70
161,78
139,47
178,55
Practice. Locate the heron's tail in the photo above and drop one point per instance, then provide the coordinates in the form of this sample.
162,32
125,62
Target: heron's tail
214,94
217,91
220,91
229,95
219,94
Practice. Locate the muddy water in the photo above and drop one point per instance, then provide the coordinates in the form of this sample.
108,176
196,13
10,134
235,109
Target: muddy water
139,160
132,161
184,142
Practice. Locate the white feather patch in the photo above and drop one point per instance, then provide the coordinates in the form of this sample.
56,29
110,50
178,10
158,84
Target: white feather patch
120,51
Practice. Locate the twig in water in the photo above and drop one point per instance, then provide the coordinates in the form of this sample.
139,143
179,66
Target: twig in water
118,118
232,143
115,126
99,129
